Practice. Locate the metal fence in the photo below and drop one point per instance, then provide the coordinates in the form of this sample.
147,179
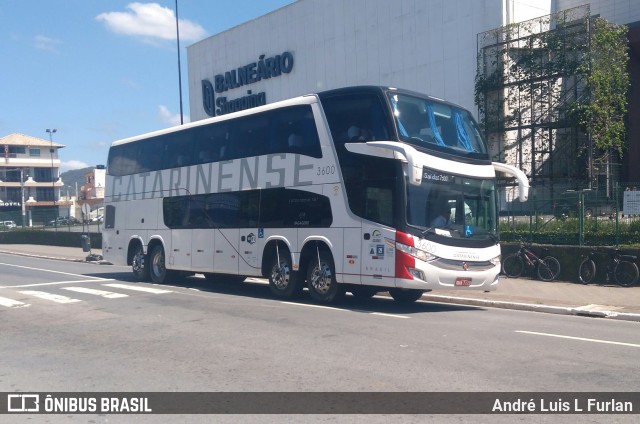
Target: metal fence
576,217
45,218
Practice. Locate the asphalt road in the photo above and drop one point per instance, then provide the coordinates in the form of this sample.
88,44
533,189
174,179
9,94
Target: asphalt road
78,327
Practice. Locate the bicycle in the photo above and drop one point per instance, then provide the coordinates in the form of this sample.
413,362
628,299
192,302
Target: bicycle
621,268
547,268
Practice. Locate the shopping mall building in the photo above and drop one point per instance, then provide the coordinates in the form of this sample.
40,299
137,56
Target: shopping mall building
430,46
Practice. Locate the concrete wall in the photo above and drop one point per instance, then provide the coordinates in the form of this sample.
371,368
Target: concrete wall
423,45
616,11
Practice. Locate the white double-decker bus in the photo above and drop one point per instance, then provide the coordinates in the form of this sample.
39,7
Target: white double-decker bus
360,189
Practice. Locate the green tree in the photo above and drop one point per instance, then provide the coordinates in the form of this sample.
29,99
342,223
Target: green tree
608,84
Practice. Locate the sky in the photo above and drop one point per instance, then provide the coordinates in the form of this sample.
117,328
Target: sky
102,70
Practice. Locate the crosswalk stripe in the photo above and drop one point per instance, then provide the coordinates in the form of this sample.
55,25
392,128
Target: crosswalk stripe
10,303
50,296
137,288
102,293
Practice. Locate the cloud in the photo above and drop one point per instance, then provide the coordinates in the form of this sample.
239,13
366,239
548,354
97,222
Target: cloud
151,21
45,43
167,117
73,164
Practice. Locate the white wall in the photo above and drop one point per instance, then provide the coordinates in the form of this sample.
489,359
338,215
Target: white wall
523,10
423,45
616,11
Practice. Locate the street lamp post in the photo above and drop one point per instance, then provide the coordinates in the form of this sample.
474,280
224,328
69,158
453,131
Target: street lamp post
179,71
53,181
22,199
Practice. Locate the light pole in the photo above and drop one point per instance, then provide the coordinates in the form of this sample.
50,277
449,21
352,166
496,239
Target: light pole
22,200
53,181
179,71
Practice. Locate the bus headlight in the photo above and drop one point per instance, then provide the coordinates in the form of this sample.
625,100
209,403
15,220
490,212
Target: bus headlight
496,260
416,253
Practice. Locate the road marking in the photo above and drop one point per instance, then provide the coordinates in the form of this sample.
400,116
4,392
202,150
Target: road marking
10,303
137,288
55,283
389,315
50,296
316,306
54,272
345,310
578,338
102,293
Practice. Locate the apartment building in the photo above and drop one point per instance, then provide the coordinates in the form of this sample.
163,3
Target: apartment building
30,183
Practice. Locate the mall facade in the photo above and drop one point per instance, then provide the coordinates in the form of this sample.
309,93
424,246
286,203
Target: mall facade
429,46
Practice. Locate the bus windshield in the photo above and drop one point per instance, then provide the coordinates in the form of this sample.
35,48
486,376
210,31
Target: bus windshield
453,206
429,124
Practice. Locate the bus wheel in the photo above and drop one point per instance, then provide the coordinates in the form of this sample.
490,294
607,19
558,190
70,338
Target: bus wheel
139,264
363,292
157,267
405,295
321,279
282,279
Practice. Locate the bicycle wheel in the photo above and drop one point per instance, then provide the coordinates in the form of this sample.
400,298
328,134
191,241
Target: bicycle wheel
548,268
587,271
512,265
625,273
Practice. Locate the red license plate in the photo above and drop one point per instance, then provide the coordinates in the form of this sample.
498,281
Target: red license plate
463,282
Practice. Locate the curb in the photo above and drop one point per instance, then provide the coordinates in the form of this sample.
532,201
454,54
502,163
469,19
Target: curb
561,310
58,258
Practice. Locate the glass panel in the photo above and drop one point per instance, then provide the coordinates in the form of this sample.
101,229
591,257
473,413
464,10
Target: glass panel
465,206
430,124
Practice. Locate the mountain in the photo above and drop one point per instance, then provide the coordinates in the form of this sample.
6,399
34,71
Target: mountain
70,178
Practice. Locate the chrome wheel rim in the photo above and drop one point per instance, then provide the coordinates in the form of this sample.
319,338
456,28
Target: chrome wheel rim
280,275
138,261
321,278
158,264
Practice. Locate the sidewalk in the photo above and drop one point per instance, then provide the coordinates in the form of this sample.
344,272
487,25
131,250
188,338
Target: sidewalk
607,301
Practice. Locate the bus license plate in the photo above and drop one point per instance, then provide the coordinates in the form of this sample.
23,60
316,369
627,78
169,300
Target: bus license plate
463,282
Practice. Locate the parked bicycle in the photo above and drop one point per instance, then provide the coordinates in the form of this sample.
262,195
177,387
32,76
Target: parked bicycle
547,268
621,268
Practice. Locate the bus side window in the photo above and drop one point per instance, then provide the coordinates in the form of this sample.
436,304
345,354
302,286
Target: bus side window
295,132
109,216
210,142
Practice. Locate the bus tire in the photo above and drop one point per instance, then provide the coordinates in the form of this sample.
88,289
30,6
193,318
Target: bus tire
321,279
363,292
406,296
157,268
283,281
139,264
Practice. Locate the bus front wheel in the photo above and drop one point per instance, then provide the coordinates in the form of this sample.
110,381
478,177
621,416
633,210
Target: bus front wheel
405,296
157,267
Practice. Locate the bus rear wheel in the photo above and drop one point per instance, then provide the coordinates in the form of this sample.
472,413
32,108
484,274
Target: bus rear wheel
139,265
283,280
157,268
321,279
